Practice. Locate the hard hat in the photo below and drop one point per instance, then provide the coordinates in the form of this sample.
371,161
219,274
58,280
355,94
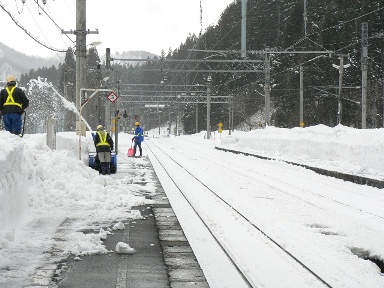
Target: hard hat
99,127
137,123
11,78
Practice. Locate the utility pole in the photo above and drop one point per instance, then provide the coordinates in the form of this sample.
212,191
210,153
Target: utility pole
108,104
267,86
229,118
341,74
117,117
197,118
81,51
209,107
364,73
305,18
243,28
301,96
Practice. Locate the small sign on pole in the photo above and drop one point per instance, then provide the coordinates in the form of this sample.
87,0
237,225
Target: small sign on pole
112,97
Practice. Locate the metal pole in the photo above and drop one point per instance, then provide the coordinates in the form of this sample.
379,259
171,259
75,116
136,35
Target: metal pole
233,109
169,120
305,18
267,87
364,72
301,97
243,28
117,119
177,122
341,72
116,131
209,110
229,119
158,117
197,119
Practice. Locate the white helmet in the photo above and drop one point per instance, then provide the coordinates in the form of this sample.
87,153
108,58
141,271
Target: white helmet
99,127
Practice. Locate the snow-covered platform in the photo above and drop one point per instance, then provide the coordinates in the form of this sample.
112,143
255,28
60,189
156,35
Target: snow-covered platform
148,251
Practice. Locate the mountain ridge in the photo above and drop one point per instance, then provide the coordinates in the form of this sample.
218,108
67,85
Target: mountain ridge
17,63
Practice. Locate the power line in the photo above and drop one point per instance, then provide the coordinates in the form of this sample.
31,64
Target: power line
28,33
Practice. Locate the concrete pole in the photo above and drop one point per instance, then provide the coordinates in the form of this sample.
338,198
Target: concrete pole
80,55
243,28
107,112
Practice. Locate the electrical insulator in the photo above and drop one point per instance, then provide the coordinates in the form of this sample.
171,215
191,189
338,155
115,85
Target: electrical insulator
44,2
23,1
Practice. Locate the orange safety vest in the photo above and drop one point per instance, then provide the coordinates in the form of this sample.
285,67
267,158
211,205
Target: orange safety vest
10,100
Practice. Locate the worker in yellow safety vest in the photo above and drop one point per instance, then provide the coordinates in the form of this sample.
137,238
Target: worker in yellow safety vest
13,102
104,146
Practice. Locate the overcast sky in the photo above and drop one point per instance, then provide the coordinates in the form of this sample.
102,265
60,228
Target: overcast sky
124,25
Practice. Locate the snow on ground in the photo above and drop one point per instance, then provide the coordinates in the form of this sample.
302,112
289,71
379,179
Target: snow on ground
41,188
344,149
328,223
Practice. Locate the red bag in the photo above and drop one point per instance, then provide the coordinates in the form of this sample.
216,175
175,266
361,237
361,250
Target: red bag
130,151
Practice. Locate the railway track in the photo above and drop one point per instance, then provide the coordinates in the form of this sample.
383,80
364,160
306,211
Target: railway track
257,234
267,247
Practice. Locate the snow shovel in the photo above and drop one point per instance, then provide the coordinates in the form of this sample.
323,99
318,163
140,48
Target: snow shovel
130,151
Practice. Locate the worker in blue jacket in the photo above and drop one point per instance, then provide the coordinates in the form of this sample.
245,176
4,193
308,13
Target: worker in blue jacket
138,138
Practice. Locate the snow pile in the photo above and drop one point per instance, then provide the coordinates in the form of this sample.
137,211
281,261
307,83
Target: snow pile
42,190
356,151
14,181
119,226
124,248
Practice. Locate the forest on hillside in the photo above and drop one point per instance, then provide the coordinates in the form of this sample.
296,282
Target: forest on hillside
281,25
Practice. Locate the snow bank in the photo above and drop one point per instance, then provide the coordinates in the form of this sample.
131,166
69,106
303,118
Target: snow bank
13,181
358,148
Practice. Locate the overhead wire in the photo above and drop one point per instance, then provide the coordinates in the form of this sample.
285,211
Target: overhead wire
219,41
28,33
318,32
54,22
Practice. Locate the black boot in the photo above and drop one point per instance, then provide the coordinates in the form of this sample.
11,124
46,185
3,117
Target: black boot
108,168
103,168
